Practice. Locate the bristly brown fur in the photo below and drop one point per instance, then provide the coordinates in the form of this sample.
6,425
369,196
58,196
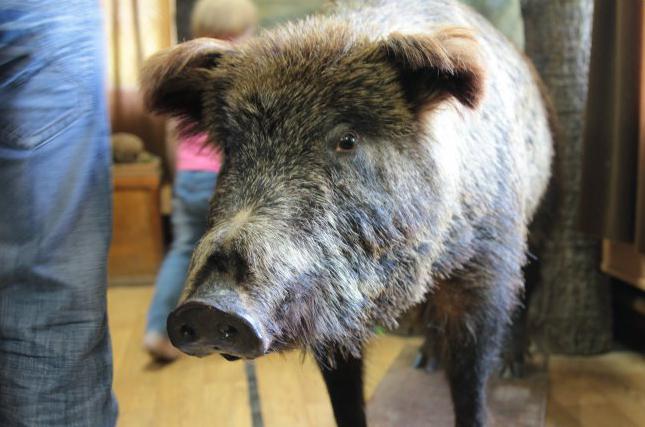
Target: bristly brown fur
278,100
429,67
451,160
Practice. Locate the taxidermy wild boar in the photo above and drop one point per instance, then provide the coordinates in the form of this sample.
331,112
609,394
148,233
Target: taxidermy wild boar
383,152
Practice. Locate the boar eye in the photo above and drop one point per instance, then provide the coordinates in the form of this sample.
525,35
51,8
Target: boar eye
347,142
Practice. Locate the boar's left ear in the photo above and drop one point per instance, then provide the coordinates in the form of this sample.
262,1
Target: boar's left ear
435,66
173,80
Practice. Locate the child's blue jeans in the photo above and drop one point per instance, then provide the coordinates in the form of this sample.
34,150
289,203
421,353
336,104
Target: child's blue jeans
191,194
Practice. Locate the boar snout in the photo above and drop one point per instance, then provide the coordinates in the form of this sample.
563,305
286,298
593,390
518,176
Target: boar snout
219,324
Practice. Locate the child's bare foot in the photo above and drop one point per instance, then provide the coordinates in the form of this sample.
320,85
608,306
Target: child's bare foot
160,347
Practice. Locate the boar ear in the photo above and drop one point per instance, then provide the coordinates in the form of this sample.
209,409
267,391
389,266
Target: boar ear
174,79
435,66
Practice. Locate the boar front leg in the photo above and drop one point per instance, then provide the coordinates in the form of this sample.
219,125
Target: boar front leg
473,316
516,346
345,387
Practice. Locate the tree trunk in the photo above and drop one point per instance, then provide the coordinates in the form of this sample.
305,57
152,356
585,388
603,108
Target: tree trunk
570,309
183,8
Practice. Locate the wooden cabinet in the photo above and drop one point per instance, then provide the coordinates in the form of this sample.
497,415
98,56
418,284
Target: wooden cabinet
137,245
622,261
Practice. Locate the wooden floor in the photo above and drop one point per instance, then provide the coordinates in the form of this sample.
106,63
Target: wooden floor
601,391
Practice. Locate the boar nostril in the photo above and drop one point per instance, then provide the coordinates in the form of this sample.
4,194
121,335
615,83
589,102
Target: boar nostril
227,331
188,333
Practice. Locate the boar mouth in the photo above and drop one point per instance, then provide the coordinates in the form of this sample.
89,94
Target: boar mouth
230,357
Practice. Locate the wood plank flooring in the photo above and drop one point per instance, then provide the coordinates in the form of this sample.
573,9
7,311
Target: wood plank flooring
607,390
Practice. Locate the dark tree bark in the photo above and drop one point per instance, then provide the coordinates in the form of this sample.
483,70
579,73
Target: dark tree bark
183,9
570,309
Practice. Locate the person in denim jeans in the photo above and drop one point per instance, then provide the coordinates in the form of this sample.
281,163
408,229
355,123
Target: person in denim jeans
197,166
55,218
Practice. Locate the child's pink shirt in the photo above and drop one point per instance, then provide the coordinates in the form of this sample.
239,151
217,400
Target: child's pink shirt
195,154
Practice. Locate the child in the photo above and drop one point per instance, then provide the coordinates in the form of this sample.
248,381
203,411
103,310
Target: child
197,168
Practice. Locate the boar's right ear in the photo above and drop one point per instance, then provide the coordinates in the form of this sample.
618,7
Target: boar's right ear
173,80
438,65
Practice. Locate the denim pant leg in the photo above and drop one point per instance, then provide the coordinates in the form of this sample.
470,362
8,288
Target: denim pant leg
55,216
192,192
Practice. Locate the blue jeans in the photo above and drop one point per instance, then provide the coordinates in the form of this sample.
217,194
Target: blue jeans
55,216
191,194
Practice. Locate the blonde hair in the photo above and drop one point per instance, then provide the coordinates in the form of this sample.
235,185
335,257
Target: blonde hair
223,19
